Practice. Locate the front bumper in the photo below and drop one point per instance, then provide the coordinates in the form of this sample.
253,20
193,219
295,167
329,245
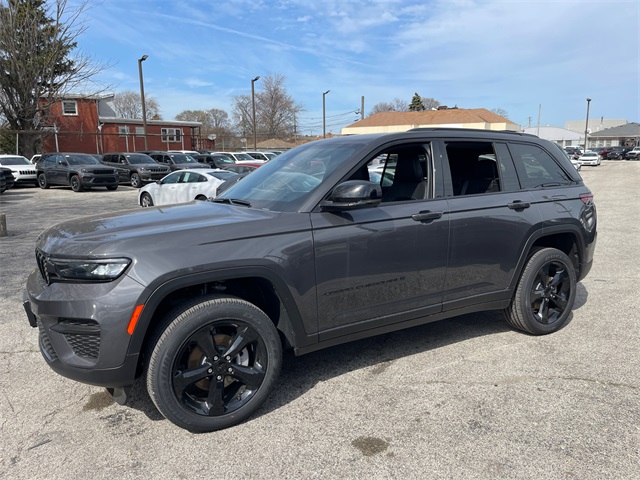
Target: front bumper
89,180
83,328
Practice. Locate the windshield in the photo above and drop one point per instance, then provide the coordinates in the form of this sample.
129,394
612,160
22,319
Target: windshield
224,159
285,182
140,159
14,161
81,159
243,156
182,158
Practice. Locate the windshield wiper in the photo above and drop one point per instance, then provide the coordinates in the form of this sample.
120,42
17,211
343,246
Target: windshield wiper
232,201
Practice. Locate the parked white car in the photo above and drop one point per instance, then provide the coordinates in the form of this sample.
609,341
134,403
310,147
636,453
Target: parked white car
183,186
264,156
589,158
240,157
23,170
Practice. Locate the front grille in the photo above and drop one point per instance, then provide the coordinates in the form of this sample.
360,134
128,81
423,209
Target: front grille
82,335
27,172
103,171
86,346
45,343
159,170
97,180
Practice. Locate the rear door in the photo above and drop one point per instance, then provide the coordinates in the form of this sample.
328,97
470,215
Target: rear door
491,219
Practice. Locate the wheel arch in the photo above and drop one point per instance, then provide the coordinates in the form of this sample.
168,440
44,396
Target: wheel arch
566,238
259,286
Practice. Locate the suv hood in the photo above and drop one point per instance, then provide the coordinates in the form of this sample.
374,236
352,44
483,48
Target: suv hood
162,228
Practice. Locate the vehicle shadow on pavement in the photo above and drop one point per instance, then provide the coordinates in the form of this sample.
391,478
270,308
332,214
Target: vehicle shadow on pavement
301,374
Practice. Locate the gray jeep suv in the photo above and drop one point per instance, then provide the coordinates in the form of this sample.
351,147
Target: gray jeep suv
136,168
333,241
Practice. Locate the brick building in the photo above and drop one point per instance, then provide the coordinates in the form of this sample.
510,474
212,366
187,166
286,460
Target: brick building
88,124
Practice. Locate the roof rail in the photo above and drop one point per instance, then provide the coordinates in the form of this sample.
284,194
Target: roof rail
435,129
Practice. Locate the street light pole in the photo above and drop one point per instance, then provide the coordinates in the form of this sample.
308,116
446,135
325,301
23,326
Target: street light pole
253,110
324,116
144,107
586,127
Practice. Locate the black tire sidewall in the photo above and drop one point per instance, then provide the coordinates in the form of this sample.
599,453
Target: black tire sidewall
170,342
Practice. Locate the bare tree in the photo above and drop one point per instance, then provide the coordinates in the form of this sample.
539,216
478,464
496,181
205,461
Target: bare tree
430,103
37,39
128,104
275,110
397,105
500,111
213,121
242,114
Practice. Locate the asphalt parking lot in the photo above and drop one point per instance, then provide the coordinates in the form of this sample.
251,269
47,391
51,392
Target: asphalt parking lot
462,398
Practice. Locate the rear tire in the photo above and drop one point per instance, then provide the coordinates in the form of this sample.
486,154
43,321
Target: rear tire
545,293
214,364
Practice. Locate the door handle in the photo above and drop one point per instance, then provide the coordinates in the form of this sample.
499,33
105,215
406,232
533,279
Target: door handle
426,216
518,205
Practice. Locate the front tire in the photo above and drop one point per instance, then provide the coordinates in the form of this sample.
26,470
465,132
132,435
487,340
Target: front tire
146,200
136,181
76,184
545,293
215,364
42,181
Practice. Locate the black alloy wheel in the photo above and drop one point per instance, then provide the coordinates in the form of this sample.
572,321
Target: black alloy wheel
545,294
215,364
42,181
75,183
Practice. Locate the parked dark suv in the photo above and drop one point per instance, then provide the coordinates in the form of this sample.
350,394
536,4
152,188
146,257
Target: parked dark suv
80,171
175,161
307,252
136,168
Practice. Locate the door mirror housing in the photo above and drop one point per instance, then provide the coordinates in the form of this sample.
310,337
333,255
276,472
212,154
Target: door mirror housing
353,194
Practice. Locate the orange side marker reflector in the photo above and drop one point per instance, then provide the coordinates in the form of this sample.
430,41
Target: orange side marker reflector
134,319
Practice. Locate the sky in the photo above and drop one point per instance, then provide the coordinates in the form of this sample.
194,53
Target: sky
527,58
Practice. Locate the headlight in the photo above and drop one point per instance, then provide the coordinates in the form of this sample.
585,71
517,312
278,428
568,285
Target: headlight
84,170
92,270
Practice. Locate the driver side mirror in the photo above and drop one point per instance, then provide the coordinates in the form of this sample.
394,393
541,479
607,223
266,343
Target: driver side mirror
353,194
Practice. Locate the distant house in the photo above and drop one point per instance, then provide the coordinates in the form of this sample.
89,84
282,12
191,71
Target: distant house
627,134
88,124
390,122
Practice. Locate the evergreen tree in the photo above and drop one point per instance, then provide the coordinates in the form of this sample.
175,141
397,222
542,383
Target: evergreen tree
416,104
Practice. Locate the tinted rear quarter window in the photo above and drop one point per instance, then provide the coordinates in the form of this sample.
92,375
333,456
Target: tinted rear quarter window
536,167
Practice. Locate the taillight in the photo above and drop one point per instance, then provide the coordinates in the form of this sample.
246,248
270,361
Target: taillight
587,198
